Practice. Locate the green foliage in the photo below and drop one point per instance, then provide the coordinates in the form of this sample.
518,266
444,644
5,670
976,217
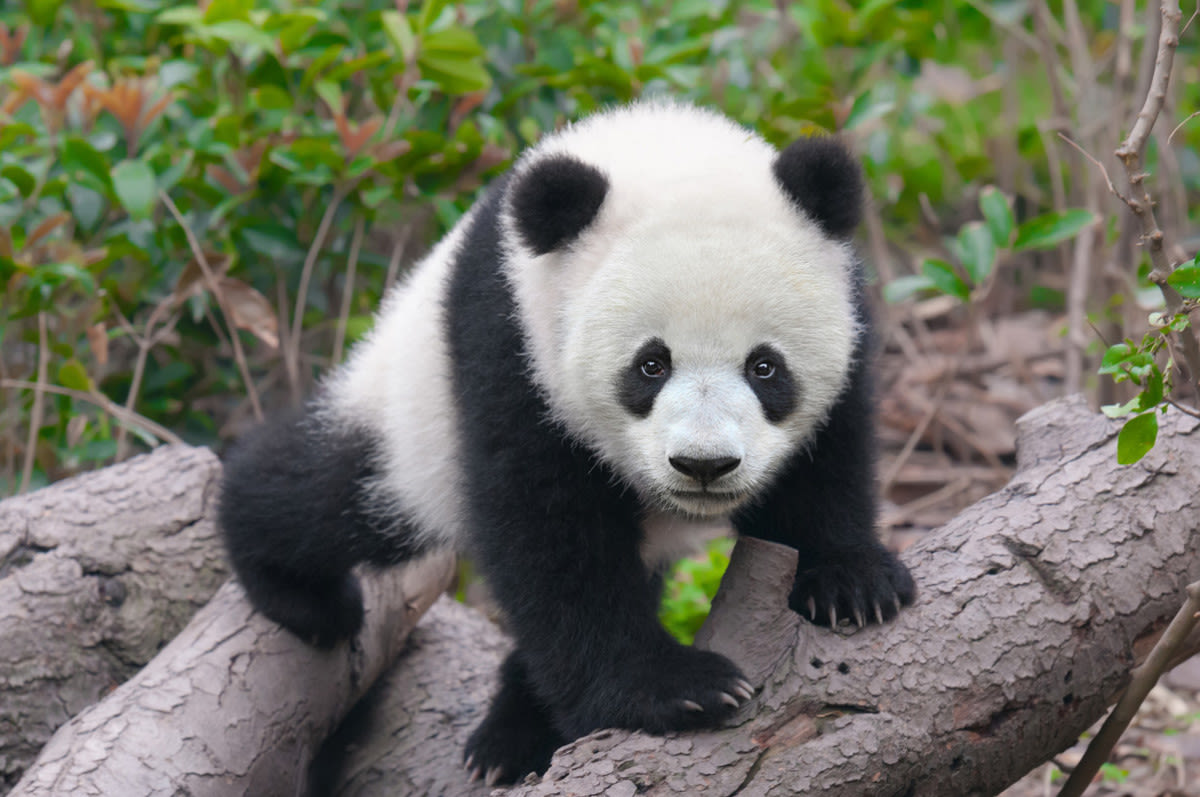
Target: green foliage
276,130
690,588
1138,364
980,245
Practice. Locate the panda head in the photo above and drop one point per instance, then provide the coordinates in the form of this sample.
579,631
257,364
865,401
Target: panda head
687,296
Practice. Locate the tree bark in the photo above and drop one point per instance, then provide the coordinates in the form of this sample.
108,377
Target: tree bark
235,704
1033,605
97,573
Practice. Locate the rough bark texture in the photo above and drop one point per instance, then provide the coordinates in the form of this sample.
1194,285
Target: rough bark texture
1033,605
97,573
408,735
235,704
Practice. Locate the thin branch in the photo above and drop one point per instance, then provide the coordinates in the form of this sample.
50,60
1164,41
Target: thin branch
210,281
339,338
1131,153
393,266
291,353
39,395
144,343
1183,408
1142,680
1191,19
1103,171
1186,119
119,413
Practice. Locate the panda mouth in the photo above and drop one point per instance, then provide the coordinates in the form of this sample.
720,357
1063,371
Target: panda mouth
704,495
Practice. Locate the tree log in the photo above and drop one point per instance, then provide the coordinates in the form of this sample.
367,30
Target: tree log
1033,606
235,704
97,573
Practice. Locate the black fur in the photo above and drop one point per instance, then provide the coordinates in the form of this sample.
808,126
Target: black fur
635,390
555,200
293,514
549,526
558,542
823,504
825,180
776,393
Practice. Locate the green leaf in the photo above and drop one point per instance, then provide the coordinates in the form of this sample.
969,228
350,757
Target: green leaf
87,206
998,214
1050,229
945,278
902,288
72,374
430,11
180,15
237,32
79,157
1137,437
1186,280
1116,354
399,33
978,250
454,74
136,188
331,93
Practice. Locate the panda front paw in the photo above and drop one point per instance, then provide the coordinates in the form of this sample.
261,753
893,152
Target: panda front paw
862,591
677,690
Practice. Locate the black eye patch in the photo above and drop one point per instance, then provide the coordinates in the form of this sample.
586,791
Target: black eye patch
772,382
641,380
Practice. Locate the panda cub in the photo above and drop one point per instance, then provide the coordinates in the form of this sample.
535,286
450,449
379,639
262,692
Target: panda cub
651,327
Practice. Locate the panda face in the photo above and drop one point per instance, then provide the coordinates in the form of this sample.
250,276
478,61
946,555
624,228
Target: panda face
698,357
697,325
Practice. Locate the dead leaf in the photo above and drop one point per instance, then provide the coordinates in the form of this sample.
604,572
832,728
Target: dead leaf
250,310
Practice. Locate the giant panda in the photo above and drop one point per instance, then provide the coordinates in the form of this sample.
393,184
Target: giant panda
652,327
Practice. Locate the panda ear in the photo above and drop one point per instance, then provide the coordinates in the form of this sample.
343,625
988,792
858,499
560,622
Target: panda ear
555,200
825,180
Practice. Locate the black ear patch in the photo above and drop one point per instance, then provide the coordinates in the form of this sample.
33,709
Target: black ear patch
555,200
825,180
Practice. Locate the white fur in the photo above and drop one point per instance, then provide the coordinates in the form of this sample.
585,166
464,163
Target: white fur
695,244
397,385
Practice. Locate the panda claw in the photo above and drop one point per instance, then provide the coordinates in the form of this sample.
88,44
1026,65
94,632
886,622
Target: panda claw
859,620
475,774
832,617
878,613
742,691
692,705
812,609
470,764
729,700
896,604
493,776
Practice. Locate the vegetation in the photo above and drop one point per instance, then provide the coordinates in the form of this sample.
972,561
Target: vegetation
200,205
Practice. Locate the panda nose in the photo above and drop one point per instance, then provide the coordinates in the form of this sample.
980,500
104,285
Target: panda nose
704,470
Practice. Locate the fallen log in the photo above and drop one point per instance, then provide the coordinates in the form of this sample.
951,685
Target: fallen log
97,573
1033,606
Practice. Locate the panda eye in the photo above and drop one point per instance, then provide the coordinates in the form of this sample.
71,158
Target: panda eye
763,369
653,369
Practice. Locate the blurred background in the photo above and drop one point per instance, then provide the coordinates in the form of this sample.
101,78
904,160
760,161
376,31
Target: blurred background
201,205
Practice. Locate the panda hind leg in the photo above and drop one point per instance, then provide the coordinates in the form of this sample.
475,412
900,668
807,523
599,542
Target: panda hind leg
517,736
294,516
